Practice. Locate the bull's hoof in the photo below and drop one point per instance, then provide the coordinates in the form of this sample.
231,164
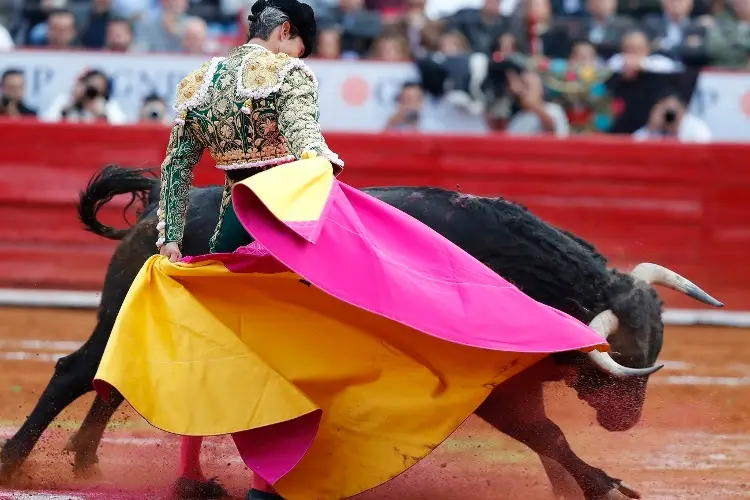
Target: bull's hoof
621,492
190,489
71,444
627,490
9,465
87,471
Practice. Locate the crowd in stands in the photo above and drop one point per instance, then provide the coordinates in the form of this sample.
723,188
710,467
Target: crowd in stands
529,66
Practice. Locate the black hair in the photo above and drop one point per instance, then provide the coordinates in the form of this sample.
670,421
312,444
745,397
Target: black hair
61,12
152,97
409,84
263,24
122,20
267,15
11,72
95,72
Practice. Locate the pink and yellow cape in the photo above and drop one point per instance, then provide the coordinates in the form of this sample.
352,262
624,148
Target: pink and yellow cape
339,349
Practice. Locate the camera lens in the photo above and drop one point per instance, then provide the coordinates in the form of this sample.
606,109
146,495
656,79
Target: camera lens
154,115
91,92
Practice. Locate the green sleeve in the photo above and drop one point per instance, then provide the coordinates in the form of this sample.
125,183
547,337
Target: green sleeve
297,105
183,153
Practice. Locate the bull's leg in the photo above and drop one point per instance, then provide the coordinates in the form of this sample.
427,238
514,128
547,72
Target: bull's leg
72,378
85,441
517,409
564,487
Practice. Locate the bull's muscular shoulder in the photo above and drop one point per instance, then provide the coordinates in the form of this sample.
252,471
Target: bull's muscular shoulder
193,89
264,72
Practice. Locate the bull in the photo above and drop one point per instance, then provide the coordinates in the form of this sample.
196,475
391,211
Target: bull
549,264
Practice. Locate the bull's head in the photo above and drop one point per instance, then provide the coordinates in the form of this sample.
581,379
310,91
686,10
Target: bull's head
615,386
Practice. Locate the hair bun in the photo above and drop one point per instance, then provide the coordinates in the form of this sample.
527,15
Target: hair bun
252,18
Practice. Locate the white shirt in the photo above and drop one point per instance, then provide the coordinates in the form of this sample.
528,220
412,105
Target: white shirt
691,129
53,113
6,42
528,123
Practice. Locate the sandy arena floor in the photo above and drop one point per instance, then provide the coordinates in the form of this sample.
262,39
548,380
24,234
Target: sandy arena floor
692,444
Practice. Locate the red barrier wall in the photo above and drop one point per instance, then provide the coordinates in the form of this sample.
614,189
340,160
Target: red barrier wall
685,206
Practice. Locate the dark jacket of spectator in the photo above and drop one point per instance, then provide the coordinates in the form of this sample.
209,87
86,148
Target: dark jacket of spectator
604,35
684,41
358,27
728,40
638,93
480,29
94,23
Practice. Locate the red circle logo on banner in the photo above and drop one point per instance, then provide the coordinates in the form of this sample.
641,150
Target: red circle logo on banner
745,103
355,91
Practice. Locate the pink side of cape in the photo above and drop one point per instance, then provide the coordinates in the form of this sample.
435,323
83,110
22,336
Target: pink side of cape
379,259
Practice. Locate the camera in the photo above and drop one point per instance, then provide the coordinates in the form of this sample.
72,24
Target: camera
670,116
411,116
91,92
153,111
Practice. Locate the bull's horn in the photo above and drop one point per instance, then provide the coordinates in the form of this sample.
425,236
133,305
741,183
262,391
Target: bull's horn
659,275
606,323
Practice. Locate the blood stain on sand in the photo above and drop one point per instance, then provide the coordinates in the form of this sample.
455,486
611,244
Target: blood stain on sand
692,443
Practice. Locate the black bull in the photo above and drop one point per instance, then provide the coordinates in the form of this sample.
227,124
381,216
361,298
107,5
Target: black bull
549,264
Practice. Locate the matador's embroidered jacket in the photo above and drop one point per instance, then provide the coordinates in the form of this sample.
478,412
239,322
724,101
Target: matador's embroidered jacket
251,110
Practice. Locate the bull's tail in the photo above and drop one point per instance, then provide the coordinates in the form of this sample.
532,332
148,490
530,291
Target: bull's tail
110,181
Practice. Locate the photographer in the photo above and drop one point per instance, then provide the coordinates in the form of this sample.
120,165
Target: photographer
154,110
536,116
670,119
11,94
409,102
90,102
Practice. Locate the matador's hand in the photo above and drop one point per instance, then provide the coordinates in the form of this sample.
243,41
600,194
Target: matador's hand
171,250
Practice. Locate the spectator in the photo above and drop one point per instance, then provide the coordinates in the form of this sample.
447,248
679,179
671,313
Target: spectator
728,41
359,27
90,101
119,35
61,29
31,27
162,32
579,86
536,116
676,35
94,33
12,88
328,45
582,54
409,112
481,27
453,44
604,28
638,77
391,48
412,24
505,46
670,119
546,37
194,36
154,110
